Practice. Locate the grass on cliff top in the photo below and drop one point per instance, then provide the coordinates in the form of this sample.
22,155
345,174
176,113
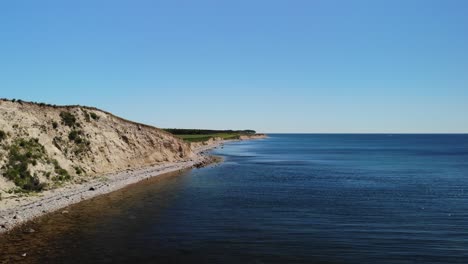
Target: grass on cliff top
201,135
206,137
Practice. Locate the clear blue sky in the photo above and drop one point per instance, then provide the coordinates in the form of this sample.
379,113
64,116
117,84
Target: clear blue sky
269,65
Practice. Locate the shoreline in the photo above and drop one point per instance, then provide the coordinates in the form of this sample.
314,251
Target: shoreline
17,211
14,213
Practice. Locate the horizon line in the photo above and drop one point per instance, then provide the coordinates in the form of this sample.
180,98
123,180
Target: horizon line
369,133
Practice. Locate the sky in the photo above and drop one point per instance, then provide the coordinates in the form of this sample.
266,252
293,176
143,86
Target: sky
292,66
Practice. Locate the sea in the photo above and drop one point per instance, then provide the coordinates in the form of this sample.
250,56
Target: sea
290,198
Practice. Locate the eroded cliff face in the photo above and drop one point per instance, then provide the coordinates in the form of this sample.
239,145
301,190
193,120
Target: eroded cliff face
43,145
254,136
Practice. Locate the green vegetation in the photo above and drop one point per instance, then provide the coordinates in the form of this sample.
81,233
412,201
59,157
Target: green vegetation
62,174
75,136
3,135
58,142
86,116
36,103
182,131
78,170
94,116
54,125
68,119
200,135
82,144
21,154
206,137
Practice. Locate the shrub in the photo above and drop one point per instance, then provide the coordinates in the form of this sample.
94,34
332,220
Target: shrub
68,119
62,174
82,148
57,142
22,153
54,125
86,116
78,170
74,135
82,144
94,116
3,135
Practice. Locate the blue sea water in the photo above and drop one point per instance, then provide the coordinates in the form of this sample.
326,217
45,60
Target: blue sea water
312,198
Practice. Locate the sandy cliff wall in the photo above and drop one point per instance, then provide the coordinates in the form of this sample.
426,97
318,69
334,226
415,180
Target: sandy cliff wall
54,144
255,136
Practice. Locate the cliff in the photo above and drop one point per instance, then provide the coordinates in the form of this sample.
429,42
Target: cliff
216,140
43,146
254,136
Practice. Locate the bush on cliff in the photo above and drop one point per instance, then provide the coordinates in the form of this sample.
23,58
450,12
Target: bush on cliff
68,119
23,153
94,116
3,135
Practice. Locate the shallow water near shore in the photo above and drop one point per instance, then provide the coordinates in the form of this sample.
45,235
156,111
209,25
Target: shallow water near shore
286,199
